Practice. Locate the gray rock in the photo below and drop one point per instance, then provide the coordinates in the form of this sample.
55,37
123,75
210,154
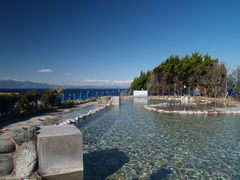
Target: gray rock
21,136
6,165
26,160
6,146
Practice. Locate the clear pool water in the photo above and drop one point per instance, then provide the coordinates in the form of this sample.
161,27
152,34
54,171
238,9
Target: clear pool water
76,112
132,143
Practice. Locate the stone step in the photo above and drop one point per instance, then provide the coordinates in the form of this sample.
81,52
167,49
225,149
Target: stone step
60,152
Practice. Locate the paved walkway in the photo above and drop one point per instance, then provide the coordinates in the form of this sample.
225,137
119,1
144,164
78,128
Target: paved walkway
46,119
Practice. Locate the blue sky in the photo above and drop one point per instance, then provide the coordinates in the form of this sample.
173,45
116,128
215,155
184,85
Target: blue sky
110,41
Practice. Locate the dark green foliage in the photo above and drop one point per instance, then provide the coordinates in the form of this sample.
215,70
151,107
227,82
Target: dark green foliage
192,71
52,97
31,102
67,104
28,102
238,89
141,81
7,104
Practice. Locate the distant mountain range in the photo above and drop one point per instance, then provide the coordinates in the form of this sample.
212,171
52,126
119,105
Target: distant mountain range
14,84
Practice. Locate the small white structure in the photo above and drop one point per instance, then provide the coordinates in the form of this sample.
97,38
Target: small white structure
115,100
140,93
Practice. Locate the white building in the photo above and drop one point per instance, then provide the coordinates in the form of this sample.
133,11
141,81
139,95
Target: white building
140,93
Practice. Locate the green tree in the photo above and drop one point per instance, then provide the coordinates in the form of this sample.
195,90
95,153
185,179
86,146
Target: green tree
195,71
52,97
28,102
33,97
7,104
154,84
236,78
238,89
141,81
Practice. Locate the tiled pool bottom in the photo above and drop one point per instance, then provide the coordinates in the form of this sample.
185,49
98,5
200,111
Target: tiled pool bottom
132,143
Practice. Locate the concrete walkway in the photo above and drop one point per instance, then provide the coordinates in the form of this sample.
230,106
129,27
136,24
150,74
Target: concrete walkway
46,119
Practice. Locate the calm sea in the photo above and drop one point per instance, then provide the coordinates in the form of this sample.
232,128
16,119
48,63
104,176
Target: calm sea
77,94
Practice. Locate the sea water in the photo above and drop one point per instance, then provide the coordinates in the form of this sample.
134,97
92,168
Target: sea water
77,94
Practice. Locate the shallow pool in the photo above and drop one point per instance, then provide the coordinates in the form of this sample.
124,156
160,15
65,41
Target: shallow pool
132,143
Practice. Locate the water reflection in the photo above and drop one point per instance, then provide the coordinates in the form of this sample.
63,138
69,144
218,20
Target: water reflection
140,100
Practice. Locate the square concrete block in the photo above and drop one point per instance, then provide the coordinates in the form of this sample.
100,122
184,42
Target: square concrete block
115,100
60,152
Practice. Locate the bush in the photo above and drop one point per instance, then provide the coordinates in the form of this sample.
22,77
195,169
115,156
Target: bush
28,102
7,104
52,98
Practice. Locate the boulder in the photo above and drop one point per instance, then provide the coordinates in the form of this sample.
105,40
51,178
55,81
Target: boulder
6,146
26,160
21,136
6,165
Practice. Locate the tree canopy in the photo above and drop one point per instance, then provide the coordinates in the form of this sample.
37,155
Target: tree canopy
141,81
203,73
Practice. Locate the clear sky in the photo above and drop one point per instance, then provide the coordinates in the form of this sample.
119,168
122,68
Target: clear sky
110,41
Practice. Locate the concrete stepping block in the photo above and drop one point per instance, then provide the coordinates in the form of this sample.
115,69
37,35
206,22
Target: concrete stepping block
60,152
115,100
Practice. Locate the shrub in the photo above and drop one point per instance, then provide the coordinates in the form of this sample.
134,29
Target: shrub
52,97
7,104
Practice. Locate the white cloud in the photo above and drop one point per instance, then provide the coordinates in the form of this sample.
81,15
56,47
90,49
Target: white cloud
97,81
123,82
67,74
45,70
94,81
7,78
